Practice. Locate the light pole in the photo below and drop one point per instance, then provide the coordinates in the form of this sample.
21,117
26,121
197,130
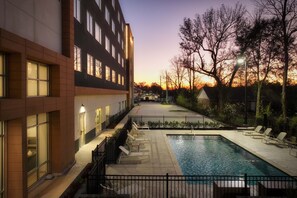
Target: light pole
243,61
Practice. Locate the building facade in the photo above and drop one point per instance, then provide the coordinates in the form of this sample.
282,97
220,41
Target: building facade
36,93
103,74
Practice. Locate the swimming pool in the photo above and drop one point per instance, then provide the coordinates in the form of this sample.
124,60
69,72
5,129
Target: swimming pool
215,155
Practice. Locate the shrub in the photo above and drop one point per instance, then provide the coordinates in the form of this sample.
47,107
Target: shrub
293,126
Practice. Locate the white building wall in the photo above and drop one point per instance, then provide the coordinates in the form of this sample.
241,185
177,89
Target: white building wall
91,103
36,20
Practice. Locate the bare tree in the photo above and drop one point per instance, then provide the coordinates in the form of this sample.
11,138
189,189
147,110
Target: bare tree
261,46
286,12
177,72
212,36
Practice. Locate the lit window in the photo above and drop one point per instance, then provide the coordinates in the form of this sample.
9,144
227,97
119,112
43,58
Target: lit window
107,16
123,80
98,68
113,75
113,26
107,73
2,163
90,64
113,51
2,75
119,79
77,9
37,79
98,33
122,44
107,44
77,59
89,23
99,3
37,147
119,38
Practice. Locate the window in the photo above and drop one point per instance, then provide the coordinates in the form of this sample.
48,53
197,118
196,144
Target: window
99,3
107,44
77,59
119,17
112,26
122,44
90,64
119,58
119,38
123,62
119,79
89,23
107,73
98,120
113,51
113,3
107,16
77,9
37,79
98,33
123,80
2,75
113,75
37,147
2,163
98,69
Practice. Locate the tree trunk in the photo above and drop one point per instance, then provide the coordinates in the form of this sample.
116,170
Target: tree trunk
258,102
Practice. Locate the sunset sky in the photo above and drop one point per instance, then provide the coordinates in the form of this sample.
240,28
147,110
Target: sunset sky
155,26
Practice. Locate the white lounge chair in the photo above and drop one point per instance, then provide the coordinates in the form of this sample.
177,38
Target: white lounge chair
279,140
128,153
140,127
266,133
257,130
132,138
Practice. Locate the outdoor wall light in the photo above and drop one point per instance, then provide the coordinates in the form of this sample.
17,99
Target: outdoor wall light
82,109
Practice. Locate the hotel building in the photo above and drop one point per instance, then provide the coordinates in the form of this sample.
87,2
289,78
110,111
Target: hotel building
64,75
103,64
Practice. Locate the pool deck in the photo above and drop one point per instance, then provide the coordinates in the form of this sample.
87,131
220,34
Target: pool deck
161,159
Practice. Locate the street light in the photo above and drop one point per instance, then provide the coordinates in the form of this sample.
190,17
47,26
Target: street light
241,61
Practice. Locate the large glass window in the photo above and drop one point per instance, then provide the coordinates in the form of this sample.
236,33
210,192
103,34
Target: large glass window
37,79
113,75
107,44
99,3
98,69
89,23
123,80
113,51
77,58
119,79
107,15
112,26
2,75
37,147
113,3
98,33
107,73
77,9
2,163
90,65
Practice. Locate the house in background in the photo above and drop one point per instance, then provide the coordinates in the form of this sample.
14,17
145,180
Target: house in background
208,96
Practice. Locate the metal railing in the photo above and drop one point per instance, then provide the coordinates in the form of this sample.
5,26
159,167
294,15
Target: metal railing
177,122
194,186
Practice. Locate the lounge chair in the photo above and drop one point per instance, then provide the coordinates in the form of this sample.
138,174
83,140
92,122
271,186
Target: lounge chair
279,140
267,133
140,127
135,132
132,138
128,153
256,131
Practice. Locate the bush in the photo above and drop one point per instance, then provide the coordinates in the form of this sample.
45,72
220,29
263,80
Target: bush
293,126
229,112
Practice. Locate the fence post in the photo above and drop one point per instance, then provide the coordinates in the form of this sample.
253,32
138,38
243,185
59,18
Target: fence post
167,194
245,184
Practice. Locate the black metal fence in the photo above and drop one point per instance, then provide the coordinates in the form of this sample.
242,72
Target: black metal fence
194,186
178,122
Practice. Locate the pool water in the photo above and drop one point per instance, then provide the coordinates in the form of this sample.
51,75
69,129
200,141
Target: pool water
215,155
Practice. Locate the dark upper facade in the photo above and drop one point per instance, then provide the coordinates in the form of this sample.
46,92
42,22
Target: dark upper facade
99,53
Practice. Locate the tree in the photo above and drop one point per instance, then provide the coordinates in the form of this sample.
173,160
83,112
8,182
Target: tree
260,45
211,37
177,72
286,12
